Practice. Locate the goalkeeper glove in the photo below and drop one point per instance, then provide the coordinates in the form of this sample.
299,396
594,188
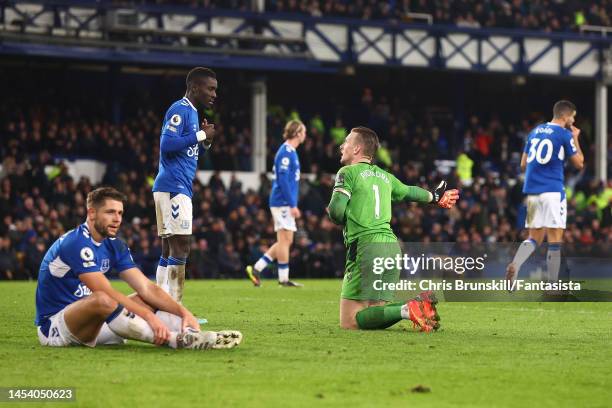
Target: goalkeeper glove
443,197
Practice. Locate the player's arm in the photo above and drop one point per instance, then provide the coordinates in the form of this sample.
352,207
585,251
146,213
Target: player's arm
576,156
155,296
209,134
172,138
337,207
343,188
440,195
524,161
285,178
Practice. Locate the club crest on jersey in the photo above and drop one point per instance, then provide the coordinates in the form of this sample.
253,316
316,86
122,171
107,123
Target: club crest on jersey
105,265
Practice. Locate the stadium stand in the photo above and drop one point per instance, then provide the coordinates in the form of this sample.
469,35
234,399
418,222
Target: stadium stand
541,15
232,225
532,15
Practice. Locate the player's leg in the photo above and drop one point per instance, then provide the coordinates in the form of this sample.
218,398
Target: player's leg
108,337
173,322
366,300
348,310
556,220
161,275
378,314
179,230
84,320
254,271
535,224
179,250
553,255
284,225
162,213
285,240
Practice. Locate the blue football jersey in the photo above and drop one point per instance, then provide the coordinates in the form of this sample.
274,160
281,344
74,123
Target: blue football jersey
547,147
179,149
285,187
72,254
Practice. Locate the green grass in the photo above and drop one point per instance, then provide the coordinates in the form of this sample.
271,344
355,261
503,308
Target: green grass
293,354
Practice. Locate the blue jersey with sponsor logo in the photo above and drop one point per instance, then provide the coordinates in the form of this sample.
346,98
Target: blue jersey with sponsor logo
72,254
547,147
179,149
285,187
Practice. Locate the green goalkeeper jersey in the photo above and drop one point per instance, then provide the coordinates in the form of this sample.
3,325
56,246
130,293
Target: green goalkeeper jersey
371,191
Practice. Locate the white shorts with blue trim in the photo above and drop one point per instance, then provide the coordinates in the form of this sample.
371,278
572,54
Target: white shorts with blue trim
174,213
546,210
283,220
59,335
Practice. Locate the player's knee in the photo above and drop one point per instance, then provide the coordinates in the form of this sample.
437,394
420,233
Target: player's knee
349,325
287,239
165,248
102,302
179,246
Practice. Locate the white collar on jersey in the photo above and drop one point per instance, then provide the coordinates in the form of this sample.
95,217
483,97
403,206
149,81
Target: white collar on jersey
189,102
88,234
553,124
289,147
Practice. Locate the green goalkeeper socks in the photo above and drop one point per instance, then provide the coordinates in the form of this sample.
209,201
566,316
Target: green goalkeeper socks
379,317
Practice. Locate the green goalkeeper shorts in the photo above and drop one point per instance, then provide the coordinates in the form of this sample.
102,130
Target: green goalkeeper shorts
365,273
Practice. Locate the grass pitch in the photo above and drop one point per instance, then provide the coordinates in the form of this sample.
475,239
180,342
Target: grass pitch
294,354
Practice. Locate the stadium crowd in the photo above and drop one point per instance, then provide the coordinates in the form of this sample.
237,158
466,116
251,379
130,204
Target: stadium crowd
39,200
547,15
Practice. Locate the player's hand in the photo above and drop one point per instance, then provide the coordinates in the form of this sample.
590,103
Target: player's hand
295,212
443,197
160,331
575,132
449,199
189,321
209,129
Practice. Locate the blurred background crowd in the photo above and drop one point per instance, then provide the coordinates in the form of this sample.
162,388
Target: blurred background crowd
39,200
541,15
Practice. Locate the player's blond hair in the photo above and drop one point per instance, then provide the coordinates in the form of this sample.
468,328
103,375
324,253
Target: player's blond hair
292,129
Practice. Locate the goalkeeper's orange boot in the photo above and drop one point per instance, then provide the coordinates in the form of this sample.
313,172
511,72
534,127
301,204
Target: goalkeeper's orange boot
423,312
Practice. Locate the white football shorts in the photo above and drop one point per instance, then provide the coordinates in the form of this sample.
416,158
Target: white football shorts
283,220
174,214
546,210
60,336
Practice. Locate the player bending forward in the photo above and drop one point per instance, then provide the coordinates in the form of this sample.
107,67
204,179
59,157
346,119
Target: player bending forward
76,304
361,201
547,147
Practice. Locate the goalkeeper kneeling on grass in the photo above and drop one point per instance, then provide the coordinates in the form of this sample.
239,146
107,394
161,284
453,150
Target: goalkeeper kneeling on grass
361,201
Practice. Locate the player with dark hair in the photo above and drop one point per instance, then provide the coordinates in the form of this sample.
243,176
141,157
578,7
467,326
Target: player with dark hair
361,201
180,141
76,304
546,149
283,205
